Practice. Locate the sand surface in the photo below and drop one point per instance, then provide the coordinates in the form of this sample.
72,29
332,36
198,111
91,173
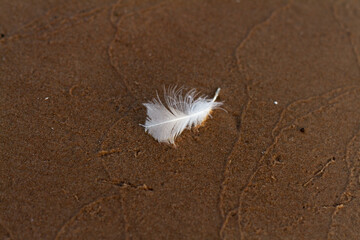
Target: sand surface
281,163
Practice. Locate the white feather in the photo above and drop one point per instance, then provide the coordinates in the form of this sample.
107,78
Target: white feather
165,123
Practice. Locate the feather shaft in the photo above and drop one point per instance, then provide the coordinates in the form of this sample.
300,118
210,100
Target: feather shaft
177,119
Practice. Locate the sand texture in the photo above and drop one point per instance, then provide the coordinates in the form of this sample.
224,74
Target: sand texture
282,163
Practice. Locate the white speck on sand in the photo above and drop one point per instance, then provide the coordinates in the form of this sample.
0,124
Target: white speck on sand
275,102
46,98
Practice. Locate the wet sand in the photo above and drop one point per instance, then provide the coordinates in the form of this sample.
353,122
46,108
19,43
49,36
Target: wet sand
281,163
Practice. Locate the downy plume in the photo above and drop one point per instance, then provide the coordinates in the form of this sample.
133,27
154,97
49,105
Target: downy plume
165,123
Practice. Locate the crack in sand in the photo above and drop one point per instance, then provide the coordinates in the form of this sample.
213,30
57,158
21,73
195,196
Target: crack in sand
73,218
228,160
345,196
339,205
259,26
117,32
319,173
243,114
125,184
329,102
287,109
276,139
259,166
112,63
112,13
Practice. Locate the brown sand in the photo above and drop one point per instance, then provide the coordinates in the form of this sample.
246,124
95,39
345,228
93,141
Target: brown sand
75,164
